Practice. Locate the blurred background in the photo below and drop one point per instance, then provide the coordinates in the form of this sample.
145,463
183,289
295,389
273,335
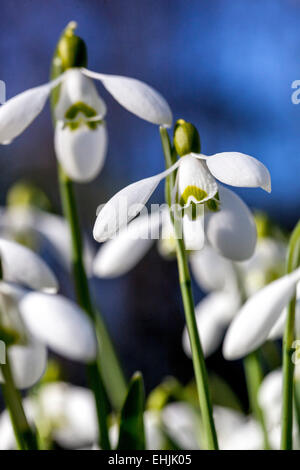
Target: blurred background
225,66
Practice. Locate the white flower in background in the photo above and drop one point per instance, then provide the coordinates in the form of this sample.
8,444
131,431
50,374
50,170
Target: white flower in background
230,228
31,318
260,316
223,279
39,227
270,401
235,431
80,134
62,412
122,253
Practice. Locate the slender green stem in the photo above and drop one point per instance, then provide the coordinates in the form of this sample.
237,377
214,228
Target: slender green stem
25,437
254,377
288,376
293,260
188,303
84,300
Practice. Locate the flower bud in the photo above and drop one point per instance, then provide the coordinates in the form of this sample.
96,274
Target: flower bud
186,138
71,49
26,194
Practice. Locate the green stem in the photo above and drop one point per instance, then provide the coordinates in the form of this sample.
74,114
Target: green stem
287,349
188,304
84,300
254,377
288,376
25,437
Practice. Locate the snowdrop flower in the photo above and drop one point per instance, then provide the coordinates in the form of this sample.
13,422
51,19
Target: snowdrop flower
80,134
63,413
53,320
223,279
230,227
235,431
32,316
270,401
258,316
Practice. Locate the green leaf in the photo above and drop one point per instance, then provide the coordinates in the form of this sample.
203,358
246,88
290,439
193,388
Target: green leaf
222,394
112,373
132,433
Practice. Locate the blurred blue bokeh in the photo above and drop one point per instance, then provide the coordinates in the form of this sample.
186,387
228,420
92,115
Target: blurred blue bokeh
225,66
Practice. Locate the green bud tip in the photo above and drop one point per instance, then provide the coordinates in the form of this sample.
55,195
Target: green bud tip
71,49
186,138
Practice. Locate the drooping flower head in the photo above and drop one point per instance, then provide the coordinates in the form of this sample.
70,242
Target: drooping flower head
230,227
79,111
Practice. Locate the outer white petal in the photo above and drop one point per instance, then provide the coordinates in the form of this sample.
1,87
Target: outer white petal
23,266
238,169
236,431
7,438
278,329
213,314
231,230
270,398
193,230
28,363
136,97
18,112
81,151
193,172
211,270
252,325
246,437
59,323
126,205
181,424
119,255
77,88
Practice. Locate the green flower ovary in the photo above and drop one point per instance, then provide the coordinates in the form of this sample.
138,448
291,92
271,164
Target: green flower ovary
84,109
192,191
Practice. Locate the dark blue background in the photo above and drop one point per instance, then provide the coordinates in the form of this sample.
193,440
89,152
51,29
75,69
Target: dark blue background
227,66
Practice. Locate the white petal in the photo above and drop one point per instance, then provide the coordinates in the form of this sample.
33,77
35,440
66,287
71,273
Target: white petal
252,325
81,151
194,173
269,256
278,329
18,112
126,205
136,97
213,314
181,424
59,323
76,88
73,410
238,169
119,255
193,230
28,363
212,271
23,266
270,397
231,230
51,228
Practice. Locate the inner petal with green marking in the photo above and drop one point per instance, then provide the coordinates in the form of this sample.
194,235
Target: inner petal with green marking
192,193
80,113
